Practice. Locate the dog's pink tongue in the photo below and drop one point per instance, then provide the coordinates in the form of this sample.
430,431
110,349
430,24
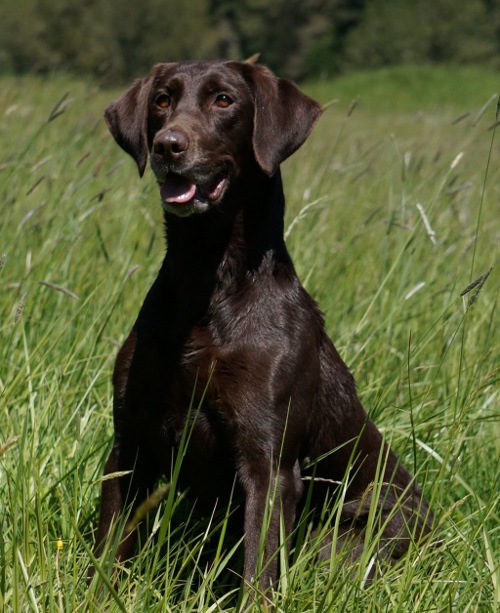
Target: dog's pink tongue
177,189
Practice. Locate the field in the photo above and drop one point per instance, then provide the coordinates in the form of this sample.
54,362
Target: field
393,209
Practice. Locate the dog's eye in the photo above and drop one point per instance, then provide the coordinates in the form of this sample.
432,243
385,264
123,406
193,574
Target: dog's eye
163,100
223,101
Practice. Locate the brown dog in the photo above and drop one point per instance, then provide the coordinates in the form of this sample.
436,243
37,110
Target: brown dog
228,324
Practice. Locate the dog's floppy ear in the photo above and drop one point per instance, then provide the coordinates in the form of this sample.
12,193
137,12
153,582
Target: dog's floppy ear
127,119
283,117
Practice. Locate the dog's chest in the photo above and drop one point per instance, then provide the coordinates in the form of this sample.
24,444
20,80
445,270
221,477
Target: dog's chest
213,379
200,410
214,376
172,385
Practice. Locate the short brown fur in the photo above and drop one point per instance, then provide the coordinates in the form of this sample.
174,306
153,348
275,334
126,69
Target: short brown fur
228,318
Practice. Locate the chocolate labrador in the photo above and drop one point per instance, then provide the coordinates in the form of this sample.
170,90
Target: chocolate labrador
228,343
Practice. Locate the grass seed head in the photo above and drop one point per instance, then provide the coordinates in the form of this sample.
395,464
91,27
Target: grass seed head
20,308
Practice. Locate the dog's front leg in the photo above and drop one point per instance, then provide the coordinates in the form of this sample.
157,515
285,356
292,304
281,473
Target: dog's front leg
128,477
111,509
269,492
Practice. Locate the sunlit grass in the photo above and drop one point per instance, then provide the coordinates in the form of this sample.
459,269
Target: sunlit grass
83,239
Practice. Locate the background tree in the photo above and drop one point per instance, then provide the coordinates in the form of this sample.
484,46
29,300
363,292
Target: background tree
110,38
117,40
420,31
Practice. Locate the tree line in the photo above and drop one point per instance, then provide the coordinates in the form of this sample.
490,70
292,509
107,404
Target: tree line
116,40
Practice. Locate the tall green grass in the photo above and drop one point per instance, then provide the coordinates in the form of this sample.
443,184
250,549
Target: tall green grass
83,240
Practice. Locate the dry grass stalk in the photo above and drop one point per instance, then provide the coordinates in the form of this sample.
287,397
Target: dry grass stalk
59,288
457,159
430,232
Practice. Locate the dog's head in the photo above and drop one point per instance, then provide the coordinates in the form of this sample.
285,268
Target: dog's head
202,122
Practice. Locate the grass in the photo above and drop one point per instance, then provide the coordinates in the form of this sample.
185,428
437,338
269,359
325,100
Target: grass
413,88
82,238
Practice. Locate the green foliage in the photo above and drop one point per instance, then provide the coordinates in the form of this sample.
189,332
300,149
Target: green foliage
117,40
282,31
421,31
77,217
109,38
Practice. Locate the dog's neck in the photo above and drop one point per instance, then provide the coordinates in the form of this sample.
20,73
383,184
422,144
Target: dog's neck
239,237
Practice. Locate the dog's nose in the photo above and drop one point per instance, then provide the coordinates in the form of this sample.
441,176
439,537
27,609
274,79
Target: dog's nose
170,143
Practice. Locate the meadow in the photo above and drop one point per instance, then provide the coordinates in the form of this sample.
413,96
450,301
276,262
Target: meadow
393,209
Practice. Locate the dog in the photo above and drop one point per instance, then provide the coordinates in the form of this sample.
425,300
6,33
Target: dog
228,330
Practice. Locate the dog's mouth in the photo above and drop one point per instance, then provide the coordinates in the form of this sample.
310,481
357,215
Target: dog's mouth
178,190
